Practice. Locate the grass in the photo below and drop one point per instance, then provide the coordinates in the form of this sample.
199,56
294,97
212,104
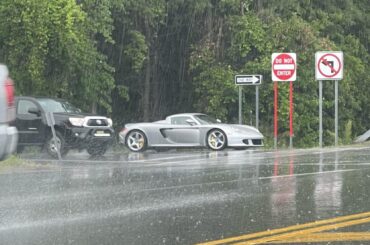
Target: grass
14,162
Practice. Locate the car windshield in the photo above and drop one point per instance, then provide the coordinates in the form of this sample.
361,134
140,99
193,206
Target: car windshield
205,119
50,105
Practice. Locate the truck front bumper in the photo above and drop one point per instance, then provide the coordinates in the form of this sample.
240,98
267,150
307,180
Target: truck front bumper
83,137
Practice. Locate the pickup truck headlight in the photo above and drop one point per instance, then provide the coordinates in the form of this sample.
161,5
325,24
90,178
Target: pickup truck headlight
110,122
77,121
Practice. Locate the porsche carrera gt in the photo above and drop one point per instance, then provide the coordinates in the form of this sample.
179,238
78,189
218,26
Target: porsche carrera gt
189,130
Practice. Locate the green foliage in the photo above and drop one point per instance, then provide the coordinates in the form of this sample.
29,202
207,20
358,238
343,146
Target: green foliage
162,57
136,51
247,35
347,139
214,94
298,27
49,50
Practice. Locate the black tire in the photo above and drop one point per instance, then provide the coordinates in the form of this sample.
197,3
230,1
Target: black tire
136,141
51,147
97,149
216,140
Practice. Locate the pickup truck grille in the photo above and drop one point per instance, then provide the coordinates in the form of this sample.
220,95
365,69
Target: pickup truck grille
97,123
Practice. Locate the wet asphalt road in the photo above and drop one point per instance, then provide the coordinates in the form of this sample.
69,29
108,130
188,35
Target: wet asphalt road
183,197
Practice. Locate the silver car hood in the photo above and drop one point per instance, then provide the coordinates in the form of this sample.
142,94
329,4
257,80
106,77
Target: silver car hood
237,128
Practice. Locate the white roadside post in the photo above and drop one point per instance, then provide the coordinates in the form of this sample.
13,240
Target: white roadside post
51,122
328,66
248,80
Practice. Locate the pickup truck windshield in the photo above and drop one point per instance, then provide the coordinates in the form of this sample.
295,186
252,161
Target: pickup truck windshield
50,105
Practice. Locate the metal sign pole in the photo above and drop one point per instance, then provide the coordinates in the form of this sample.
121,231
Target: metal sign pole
320,113
336,112
51,123
240,105
329,66
257,106
275,114
241,80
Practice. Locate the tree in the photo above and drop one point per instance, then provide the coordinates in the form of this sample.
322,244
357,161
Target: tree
49,50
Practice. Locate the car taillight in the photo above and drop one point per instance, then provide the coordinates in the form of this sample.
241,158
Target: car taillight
9,89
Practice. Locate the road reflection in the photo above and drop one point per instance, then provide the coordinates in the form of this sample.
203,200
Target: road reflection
189,192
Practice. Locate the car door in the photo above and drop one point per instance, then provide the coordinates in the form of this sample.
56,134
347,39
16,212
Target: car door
30,126
182,133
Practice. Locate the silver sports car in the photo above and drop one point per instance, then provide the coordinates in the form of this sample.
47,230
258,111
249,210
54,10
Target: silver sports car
189,130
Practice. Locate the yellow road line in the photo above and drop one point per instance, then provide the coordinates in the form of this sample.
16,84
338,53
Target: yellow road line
305,232
287,229
328,237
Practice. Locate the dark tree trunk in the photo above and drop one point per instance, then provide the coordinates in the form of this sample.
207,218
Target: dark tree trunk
146,94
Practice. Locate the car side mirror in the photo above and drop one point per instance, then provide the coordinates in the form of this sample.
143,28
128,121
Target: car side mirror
35,111
218,120
190,122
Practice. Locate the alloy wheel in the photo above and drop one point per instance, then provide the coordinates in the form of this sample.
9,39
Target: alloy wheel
216,140
136,141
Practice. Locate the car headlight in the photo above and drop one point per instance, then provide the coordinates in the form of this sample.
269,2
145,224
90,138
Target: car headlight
77,121
110,122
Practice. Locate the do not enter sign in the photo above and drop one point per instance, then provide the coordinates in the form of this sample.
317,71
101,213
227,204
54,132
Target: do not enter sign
284,66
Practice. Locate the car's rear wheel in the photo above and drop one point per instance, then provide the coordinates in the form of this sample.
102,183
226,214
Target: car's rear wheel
136,141
52,145
216,140
97,149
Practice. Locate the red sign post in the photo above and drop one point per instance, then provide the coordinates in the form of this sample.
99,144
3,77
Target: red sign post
275,113
284,66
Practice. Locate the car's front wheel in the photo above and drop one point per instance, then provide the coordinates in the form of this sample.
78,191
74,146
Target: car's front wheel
53,144
136,141
216,140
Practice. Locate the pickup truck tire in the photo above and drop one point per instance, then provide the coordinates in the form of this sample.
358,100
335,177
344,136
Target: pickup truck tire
97,149
50,146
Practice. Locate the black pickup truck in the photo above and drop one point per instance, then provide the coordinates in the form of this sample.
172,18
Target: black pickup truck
74,129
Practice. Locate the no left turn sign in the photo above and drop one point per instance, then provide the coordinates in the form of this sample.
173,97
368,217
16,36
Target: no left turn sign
284,66
329,65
